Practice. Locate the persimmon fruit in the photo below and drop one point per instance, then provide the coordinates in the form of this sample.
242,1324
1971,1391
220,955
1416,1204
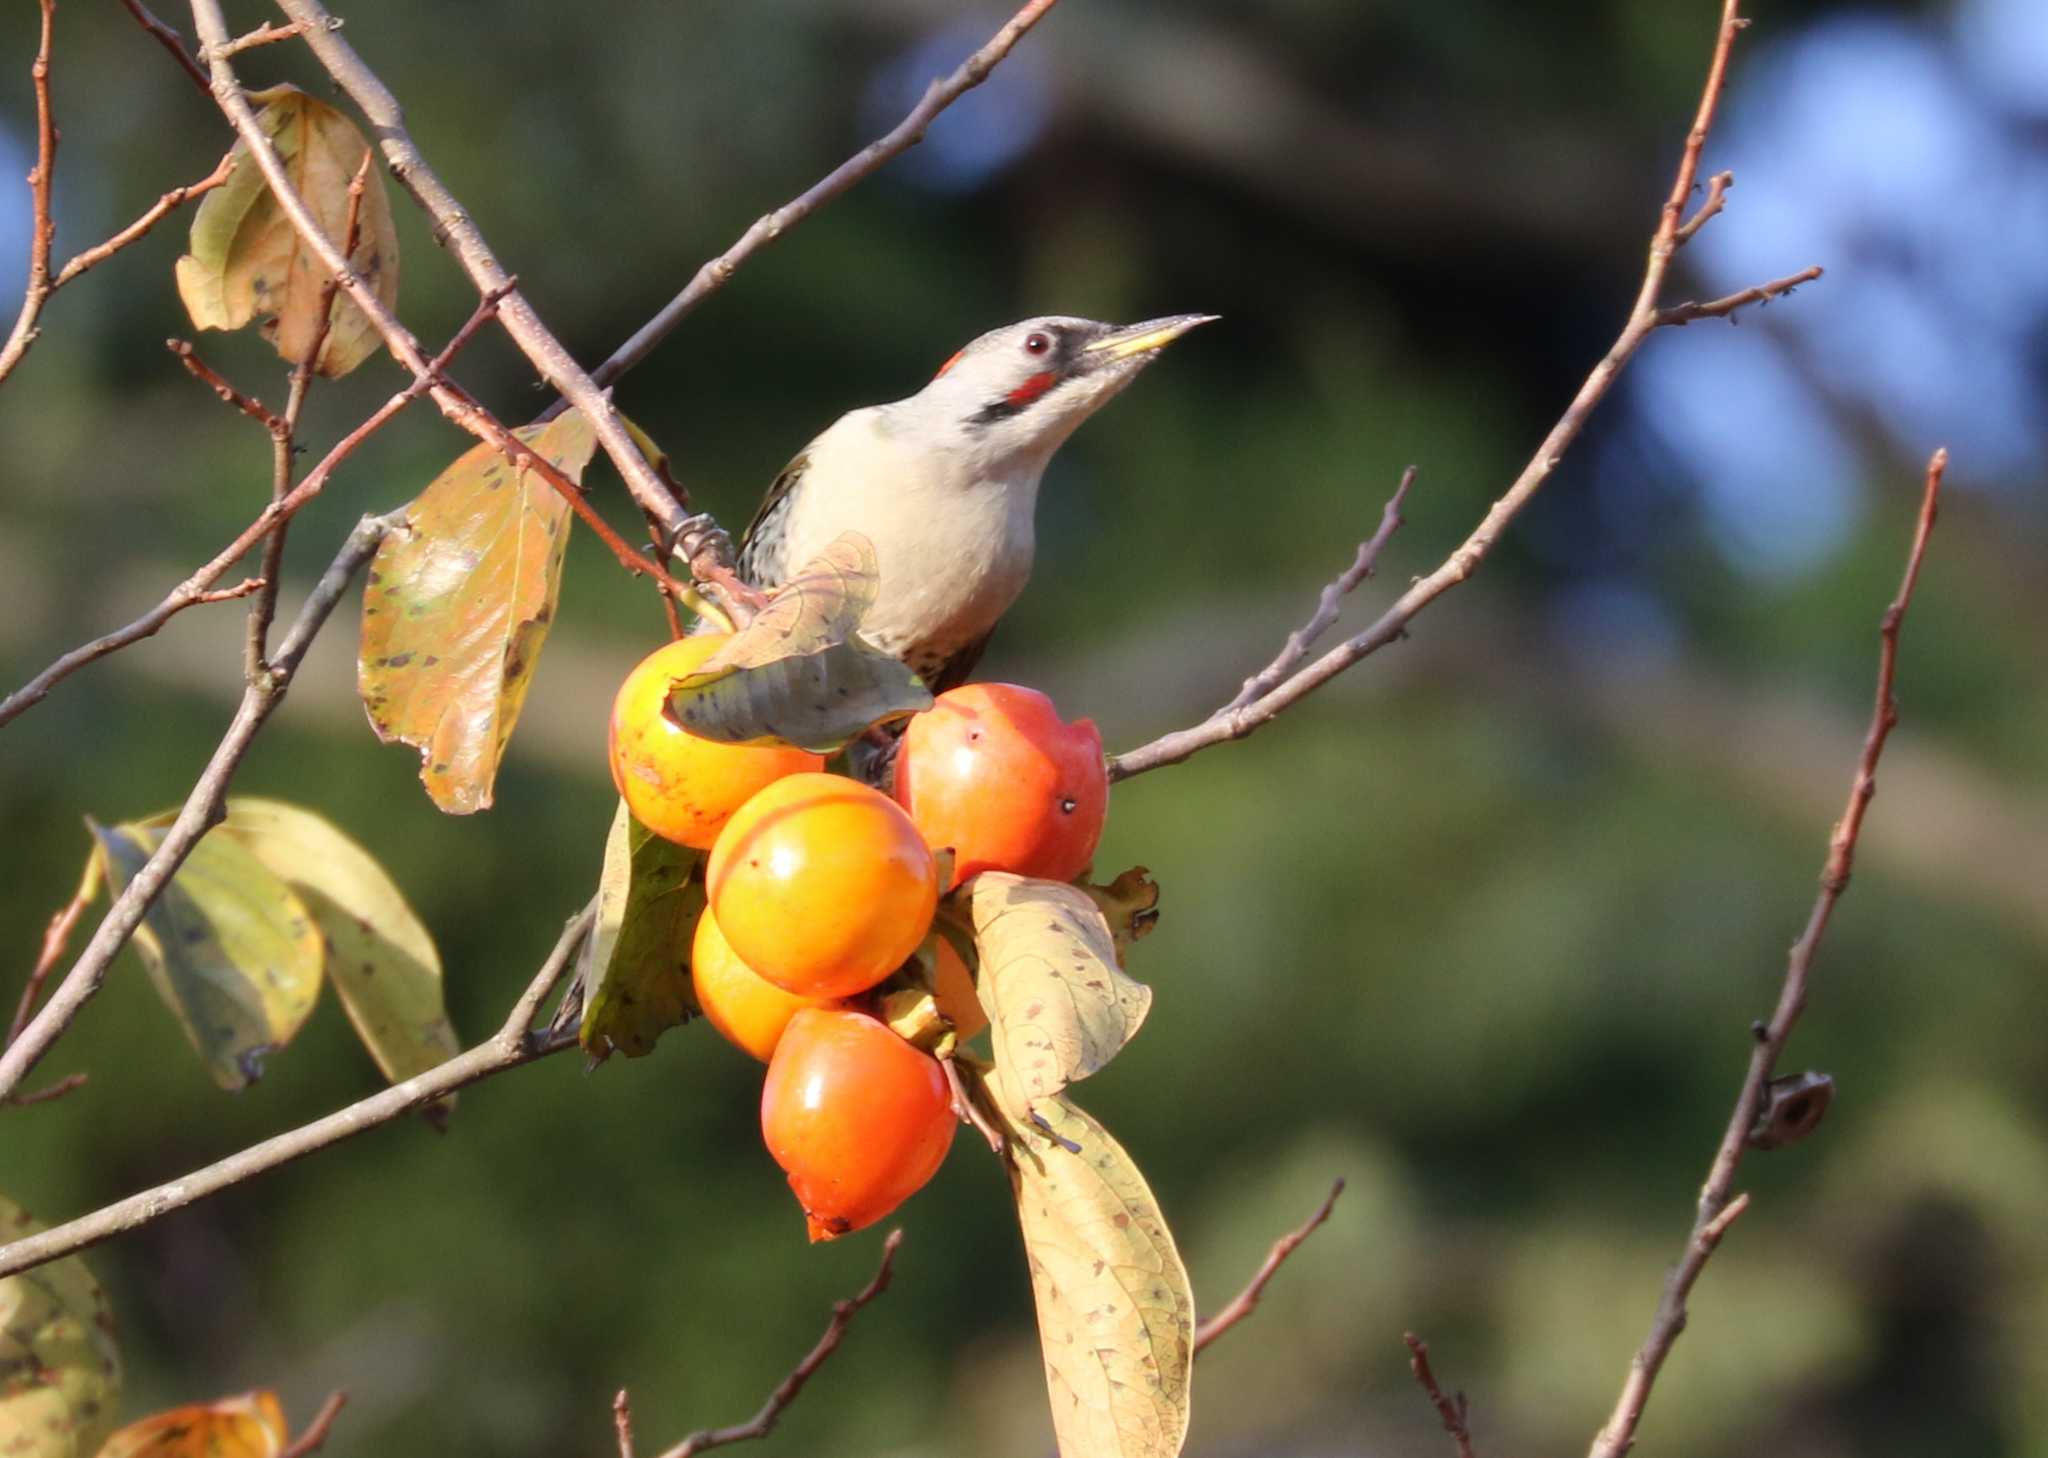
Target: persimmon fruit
822,885
857,1118
994,773
749,1010
680,786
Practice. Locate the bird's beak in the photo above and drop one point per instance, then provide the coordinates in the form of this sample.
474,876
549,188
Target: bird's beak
1146,338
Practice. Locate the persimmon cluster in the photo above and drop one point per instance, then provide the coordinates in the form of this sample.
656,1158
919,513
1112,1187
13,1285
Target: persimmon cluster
822,893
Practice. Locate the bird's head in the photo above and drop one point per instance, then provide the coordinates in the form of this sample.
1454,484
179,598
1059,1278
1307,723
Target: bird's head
1019,391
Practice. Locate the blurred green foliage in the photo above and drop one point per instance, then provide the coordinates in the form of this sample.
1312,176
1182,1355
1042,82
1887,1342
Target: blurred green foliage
1481,928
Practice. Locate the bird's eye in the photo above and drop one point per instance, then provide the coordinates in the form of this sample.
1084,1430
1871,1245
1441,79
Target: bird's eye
1037,343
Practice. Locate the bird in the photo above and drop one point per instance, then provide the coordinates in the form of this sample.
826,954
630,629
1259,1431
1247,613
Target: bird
944,483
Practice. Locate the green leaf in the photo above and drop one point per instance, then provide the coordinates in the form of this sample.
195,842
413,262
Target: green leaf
247,1426
248,261
1058,1004
380,957
230,947
60,1372
457,607
799,673
1116,1315
636,961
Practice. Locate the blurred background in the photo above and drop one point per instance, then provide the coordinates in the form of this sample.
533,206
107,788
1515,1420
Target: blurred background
1481,928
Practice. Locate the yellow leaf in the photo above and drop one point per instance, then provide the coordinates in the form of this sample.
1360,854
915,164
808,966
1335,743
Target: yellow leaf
1059,1005
381,959
60,1373
799,673
230,947
248,1426
458,604
636,962
247,261
1116,1315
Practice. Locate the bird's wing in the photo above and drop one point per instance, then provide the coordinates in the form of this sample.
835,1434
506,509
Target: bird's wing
761,548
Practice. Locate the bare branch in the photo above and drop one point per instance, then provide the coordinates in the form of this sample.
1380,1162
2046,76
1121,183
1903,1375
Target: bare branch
1679,315
195,589
169,203
1329,605
1246,1301
1451,1410
172,42
284,435
1243,716
56,937
514,1044
762,1423
263,35
315,1435
204,808
48,1092
207,375
622,1420
1717,198
453,223
1718,1207
718,272
42,230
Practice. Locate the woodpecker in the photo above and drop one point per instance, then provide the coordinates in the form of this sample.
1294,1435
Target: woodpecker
944,483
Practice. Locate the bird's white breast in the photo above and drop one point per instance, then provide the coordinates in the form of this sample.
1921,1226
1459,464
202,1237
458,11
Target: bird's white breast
952,533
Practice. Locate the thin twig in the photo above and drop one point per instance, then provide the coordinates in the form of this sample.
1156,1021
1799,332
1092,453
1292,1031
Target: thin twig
1679,315
1717,198
1236,720
1246,1301
263,35
204,808
622,1420
1718,1206
540,347
42,229
515,1043
762,1423
55,1090
207,375
314,1437
284,438
56,936
1451,1410
1330,604
195,589
717,273
172,42
454,224
157,211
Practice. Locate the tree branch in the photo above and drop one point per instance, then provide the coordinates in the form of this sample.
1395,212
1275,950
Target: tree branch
171,41
453,224
196,588
42,230
204,808
1718,1208
1329,605
314,1437
514,1044
1238,719
1451,1410
762,1423
717,273
1246,1301
284,435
